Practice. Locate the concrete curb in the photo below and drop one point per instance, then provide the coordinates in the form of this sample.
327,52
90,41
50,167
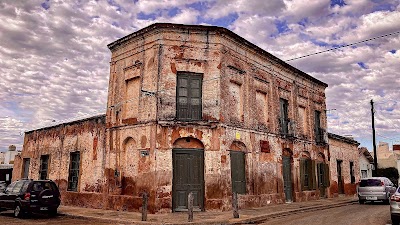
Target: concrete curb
265,217
232,221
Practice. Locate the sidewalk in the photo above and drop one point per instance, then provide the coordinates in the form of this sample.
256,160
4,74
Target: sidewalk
246,215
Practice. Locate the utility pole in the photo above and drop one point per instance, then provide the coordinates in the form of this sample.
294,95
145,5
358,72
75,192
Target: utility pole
374,172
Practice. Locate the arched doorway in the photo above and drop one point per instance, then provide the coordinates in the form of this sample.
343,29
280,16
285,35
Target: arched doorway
128,166
188,173
287,174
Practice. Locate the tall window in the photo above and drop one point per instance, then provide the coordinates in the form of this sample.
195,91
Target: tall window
44,167
189,96
262,107
73,171
303,120
284,120
307,173
352,177
26,163
319,132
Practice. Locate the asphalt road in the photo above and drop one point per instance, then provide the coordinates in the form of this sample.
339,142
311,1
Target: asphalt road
6,218
376,213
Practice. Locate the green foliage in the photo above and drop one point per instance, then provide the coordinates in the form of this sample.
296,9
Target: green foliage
391,173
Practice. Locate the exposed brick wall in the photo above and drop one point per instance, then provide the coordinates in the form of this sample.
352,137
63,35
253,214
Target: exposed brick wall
345,152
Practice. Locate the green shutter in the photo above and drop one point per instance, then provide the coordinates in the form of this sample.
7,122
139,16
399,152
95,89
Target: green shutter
326,175
312,176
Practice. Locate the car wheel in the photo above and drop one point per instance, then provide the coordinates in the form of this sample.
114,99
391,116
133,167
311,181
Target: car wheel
18,212
361,201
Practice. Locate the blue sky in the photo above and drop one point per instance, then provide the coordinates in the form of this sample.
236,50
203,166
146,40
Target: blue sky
54,56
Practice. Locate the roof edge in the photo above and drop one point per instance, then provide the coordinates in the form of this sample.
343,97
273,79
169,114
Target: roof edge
238,38
68,123
344,139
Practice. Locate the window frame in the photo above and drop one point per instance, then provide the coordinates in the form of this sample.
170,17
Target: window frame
284,115
46,170
73,172
308,174
352,175
191,108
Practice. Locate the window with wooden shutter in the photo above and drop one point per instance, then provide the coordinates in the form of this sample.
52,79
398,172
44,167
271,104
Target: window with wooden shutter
313,181
326,175
189,96
307,174
284,120
73,176
44,166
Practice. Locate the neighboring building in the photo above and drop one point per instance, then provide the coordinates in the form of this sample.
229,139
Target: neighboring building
191,109
366,162
10,154
6,165
344,165
383,150
2,154
385,157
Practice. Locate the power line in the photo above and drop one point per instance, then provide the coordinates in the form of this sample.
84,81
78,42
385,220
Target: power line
342,46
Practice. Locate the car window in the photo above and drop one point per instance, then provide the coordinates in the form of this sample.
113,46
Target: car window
370,183
25,186
10,187
37,186
17,187
43,185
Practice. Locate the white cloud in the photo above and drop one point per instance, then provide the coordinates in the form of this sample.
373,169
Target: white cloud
54,62
222,8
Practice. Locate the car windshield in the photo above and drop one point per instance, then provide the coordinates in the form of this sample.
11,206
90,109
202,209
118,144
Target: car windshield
370,183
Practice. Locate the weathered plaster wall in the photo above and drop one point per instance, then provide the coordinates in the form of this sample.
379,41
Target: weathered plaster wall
135,142
347,152
87,137
233,74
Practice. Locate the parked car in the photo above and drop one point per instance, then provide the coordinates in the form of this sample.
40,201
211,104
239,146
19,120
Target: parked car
3,186
27,196
395,207
375,189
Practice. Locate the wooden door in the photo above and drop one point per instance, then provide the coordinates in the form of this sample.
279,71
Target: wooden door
321,179
340,177
188,176
238,172
287,178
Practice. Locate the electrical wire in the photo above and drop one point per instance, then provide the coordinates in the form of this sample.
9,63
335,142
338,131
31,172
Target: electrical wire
343,46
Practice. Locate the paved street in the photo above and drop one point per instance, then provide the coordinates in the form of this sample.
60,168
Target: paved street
355,214
377,214
6,218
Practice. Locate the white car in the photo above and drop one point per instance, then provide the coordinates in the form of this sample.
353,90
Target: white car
375,189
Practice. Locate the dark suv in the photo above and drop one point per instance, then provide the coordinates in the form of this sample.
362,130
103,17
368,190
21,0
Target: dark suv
26,196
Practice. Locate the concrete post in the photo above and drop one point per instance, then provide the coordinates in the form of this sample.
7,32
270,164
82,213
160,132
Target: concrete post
144,206
235,205
190,207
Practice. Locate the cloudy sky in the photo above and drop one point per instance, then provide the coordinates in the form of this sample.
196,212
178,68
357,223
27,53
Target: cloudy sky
54,60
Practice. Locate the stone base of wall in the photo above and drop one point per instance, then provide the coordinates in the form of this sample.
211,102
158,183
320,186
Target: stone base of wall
102,201
253,201
306,196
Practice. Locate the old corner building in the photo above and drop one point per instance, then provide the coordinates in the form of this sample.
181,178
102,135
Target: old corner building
190,109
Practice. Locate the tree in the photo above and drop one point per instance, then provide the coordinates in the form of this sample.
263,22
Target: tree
390,172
